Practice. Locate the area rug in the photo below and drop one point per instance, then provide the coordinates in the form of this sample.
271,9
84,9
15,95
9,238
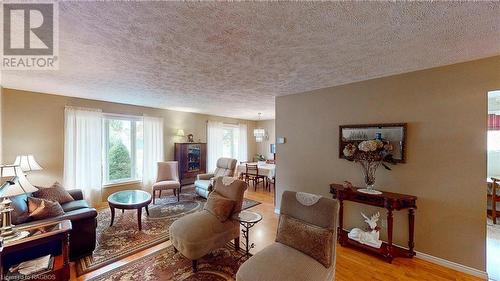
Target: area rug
249,203
222,264
124,238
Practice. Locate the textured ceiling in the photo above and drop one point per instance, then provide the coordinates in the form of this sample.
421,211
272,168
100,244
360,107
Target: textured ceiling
232,59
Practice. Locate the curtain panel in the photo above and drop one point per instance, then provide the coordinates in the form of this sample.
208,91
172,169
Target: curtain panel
243,147
215,134
83,151
153,149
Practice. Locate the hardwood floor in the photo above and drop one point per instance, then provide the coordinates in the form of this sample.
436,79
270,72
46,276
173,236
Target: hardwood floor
351,264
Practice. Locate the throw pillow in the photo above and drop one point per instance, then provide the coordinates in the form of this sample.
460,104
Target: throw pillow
54,193
219,206
19,207
40,209
312,240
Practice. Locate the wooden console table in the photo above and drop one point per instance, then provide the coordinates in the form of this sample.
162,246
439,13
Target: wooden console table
388,200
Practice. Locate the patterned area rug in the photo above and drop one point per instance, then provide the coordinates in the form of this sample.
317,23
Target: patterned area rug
124,238
222,264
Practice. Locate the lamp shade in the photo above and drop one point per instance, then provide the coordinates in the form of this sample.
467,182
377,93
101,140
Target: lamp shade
27,163
18,183
180,133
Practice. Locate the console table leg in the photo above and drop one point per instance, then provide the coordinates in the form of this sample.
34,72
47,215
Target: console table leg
389,233
411,228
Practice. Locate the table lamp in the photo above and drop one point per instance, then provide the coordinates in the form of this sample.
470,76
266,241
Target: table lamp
15,183
27,163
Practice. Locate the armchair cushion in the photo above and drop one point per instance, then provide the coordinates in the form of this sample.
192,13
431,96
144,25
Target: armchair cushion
280,262
197,234
204,176
311,240
167,184
219,206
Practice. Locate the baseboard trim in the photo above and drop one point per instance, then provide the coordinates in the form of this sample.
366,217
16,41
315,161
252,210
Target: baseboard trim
277,211
453,265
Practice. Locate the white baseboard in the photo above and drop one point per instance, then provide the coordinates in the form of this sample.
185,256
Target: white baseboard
277,211
453,265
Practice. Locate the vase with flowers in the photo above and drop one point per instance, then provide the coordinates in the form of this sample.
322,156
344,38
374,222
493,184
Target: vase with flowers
370,154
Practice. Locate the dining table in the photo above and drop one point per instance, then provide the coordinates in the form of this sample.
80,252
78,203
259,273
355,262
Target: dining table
265,169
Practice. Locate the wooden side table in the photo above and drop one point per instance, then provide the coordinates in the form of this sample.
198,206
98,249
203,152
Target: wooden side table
391,202
38,235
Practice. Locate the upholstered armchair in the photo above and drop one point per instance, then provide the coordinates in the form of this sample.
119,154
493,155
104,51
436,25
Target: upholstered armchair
167,179
305,244
197,234
224,168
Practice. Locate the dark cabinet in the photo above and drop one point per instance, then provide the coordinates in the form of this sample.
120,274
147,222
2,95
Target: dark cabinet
192,158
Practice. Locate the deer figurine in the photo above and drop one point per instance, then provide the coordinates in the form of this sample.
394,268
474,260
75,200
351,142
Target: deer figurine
371,237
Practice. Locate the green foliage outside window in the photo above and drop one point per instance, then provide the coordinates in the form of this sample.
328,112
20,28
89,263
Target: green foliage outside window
119,161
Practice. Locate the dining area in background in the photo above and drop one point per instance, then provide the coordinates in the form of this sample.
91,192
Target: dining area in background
260,172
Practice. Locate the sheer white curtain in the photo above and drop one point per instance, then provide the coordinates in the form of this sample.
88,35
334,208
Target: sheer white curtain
215,134
153,149
83,151
242,143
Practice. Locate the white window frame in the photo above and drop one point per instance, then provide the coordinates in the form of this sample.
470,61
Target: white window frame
133,144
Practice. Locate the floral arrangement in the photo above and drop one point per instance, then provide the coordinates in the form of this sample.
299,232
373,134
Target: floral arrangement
260,157
370,154
371,151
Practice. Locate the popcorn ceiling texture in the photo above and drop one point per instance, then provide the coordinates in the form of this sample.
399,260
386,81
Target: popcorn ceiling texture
232,59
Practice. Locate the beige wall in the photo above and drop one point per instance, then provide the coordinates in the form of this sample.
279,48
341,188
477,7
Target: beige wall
35,123
263,147
445,109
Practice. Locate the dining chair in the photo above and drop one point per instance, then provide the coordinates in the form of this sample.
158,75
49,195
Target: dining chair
494,196
252,174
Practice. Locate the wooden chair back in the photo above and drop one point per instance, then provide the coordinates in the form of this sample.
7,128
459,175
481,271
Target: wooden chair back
252,169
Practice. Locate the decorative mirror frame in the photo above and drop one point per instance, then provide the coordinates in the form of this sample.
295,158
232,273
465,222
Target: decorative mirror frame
380,126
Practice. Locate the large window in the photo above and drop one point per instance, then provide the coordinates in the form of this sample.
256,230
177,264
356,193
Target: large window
230,141
123,149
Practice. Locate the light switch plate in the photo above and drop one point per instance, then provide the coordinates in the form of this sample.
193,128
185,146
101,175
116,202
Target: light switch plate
280,140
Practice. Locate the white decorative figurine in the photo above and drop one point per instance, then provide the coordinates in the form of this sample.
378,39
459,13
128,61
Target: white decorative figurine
370,238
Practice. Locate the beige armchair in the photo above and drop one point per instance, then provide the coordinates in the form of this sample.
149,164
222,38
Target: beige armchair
224,168
167,178
197,234
292,262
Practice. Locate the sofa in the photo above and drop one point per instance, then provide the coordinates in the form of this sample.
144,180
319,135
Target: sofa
225,167
82,239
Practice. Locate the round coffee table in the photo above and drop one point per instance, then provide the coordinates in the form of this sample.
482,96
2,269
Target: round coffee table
129,199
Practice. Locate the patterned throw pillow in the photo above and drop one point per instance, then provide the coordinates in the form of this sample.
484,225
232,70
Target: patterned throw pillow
312,240
40,209
54,193
219,206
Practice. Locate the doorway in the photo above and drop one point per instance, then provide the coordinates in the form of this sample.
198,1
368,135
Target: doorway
493,171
